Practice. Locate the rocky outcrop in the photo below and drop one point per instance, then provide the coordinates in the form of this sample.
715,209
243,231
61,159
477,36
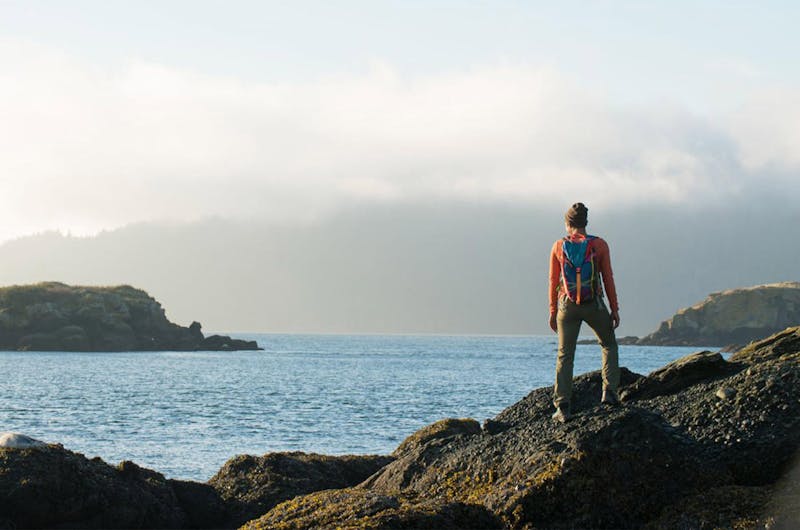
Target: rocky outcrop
58,317
679,375
733,317
46,487
252,485
701,443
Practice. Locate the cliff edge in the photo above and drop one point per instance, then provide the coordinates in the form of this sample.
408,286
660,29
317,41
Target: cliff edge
53,316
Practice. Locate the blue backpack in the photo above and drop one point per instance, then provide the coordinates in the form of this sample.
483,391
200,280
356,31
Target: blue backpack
579,270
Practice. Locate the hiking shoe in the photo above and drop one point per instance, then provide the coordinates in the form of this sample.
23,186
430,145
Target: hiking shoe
610,398
561,415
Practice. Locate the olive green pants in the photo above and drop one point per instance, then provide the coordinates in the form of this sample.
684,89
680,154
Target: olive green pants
570,316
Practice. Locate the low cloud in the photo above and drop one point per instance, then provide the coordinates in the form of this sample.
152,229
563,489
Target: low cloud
84,147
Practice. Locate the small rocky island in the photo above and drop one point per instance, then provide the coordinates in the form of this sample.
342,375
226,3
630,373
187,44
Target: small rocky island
53,316
729,318
703,442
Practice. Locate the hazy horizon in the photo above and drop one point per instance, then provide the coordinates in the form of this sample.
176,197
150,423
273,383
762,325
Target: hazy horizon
396,166
451,268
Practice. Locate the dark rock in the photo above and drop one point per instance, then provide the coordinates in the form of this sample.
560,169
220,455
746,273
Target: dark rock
491,426
723,507
787,342
356,508
225,343
624,341
195,330
436,431
619,463
755,433
57,317
202,504
252,485
678,375
51,487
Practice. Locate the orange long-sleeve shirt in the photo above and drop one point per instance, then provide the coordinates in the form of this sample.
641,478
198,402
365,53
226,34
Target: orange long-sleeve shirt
603,256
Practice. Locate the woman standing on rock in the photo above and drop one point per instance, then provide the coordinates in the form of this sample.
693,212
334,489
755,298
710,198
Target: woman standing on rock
576,264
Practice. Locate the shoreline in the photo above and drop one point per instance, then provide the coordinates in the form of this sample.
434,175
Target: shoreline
447,474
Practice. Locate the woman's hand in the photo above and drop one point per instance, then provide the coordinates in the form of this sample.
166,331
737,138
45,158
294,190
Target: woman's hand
615,319
554,323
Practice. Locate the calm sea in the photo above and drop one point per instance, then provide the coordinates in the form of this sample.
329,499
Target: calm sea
185,414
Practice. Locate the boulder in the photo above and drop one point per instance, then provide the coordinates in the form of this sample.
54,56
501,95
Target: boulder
678,375
252,485
439,430
785,343
48,486
619,462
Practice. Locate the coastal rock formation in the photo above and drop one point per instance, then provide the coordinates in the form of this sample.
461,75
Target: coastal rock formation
700,443
736,316
57,317
252,485
46,487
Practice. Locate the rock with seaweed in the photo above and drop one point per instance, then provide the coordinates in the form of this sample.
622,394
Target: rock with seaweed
252,485
49,486
46,486
359,508
701,443
53,316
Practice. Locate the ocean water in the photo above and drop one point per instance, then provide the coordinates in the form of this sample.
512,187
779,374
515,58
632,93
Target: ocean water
184,414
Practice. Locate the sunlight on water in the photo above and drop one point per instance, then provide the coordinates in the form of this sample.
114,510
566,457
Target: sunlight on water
185,413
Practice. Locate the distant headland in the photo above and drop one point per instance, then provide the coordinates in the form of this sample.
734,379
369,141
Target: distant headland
53,316
728,319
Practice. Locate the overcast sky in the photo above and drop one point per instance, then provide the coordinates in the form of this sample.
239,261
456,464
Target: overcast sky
117,112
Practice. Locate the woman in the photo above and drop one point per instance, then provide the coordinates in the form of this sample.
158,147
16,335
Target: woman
577,263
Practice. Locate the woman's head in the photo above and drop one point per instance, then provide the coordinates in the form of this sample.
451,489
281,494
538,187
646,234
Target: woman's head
577,216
